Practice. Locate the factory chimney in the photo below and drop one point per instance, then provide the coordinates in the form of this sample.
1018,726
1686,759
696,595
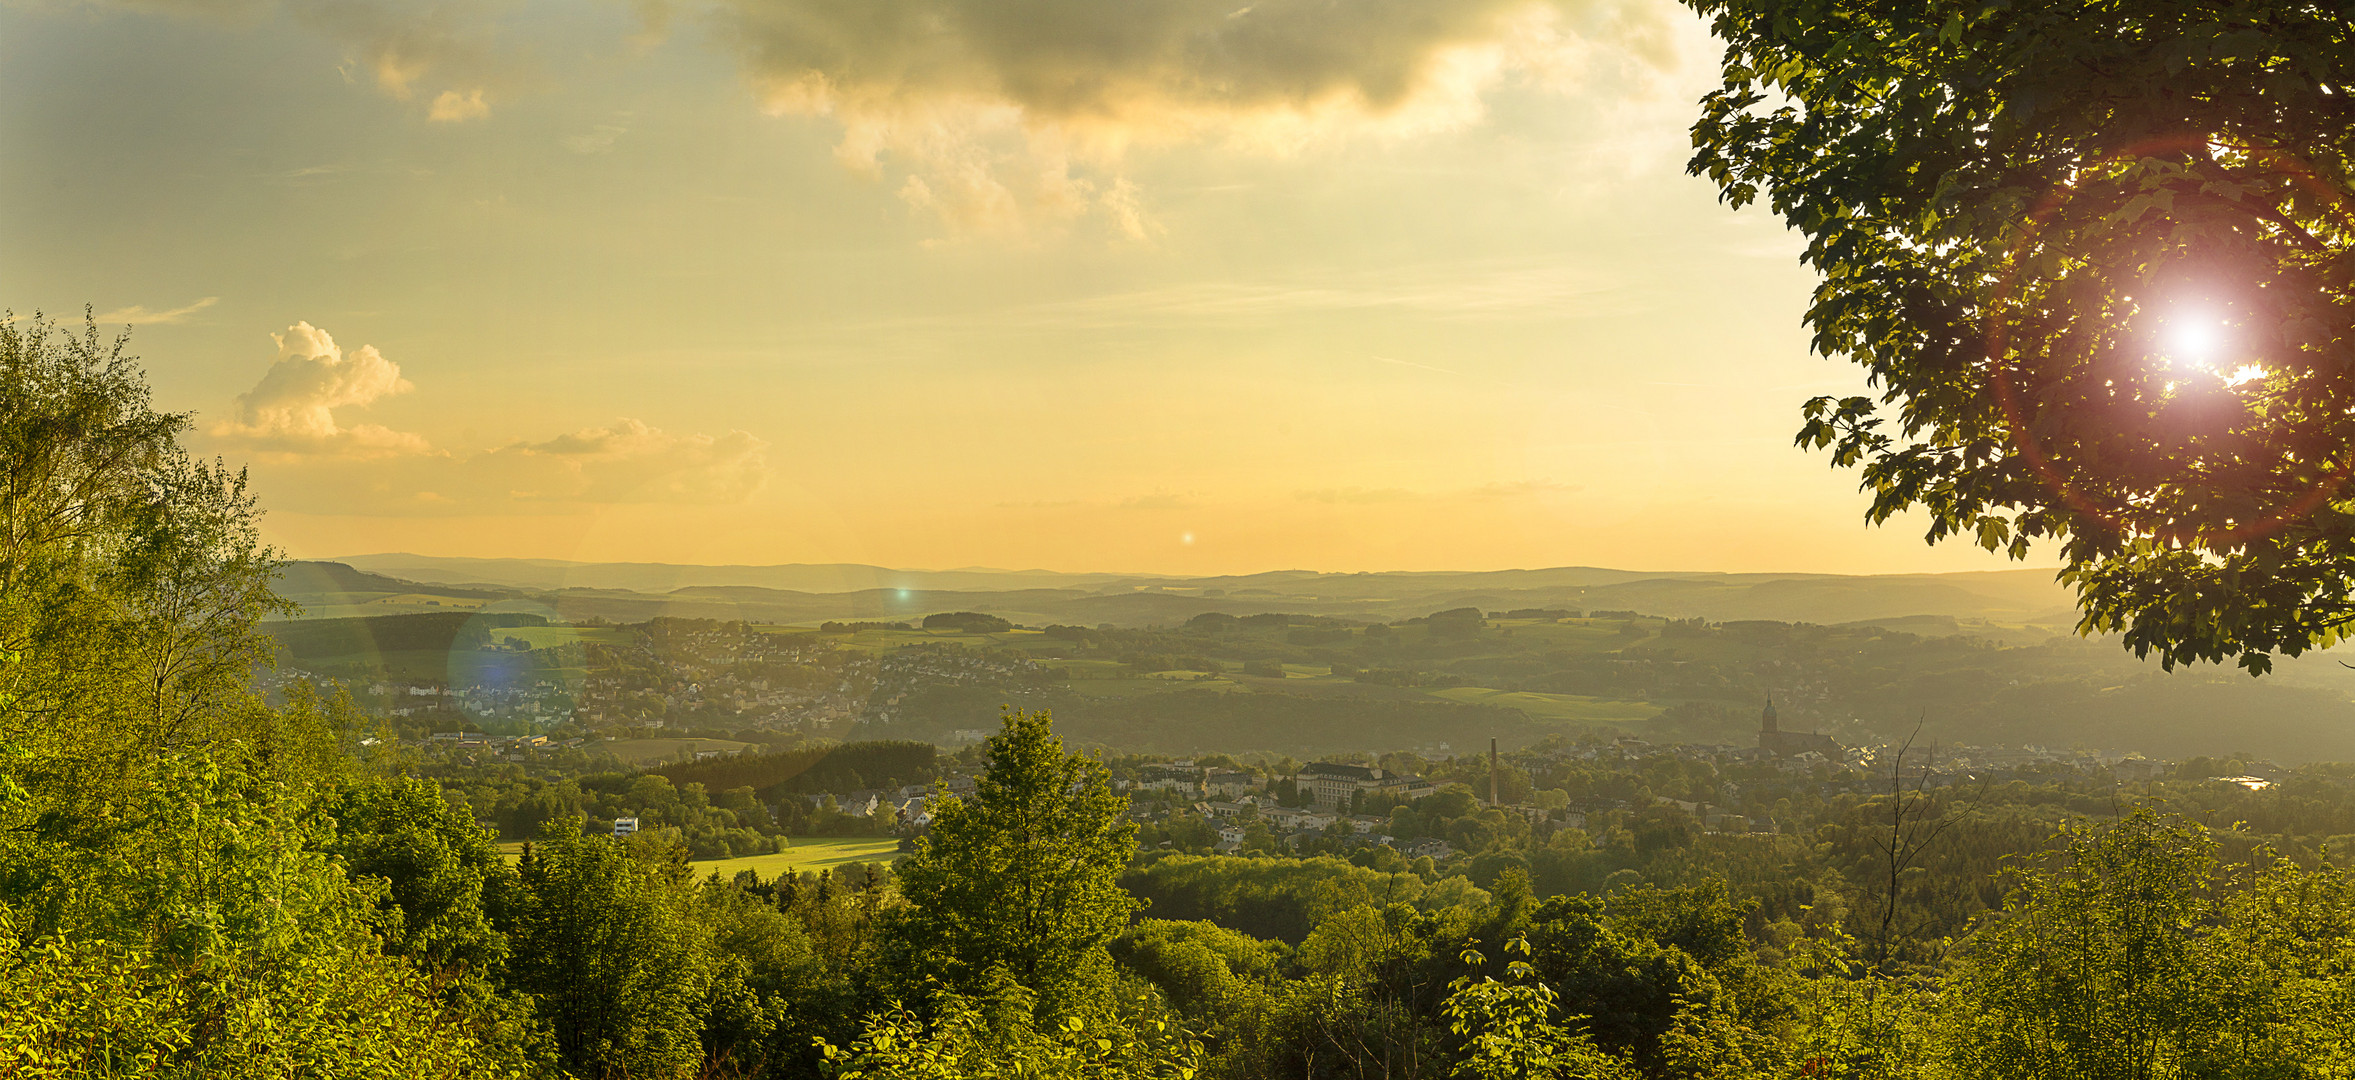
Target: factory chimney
1492,772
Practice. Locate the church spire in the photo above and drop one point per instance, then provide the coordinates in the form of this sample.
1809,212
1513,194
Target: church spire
1766,719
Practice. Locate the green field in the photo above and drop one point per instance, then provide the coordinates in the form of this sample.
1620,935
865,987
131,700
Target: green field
1149,685
807,853
644,752
890,640
548,637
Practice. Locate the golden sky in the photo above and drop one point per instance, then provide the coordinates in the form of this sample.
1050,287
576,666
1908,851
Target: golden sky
1153,285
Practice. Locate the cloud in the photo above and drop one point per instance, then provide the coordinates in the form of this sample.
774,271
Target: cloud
292,409
1502,490
1161,501
628,462
1412,364
1357,495
1000,115
407,47
138,315
596,140
1522,489
453,107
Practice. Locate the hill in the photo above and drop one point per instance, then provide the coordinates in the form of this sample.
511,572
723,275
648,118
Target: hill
631,592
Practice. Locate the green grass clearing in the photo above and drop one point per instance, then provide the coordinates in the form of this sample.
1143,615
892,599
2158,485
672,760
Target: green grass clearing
640,753
807,853
548,637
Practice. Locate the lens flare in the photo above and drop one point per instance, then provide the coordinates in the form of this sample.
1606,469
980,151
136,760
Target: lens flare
2196,340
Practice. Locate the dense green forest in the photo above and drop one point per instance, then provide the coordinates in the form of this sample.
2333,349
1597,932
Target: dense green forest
199,881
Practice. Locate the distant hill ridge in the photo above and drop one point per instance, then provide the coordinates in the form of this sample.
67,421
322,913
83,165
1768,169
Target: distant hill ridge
808,593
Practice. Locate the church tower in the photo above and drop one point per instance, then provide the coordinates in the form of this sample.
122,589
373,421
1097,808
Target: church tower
1766,719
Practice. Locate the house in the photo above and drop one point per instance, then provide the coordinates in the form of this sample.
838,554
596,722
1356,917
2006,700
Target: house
1432,846
1229,784
1330,783
1229,811
625,826
1171,776
1292,818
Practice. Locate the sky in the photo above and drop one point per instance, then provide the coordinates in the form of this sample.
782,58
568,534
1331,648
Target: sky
1137,285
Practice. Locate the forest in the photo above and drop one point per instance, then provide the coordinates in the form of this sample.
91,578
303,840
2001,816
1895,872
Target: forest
197,880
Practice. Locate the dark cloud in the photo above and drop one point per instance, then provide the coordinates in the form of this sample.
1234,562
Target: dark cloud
1002,110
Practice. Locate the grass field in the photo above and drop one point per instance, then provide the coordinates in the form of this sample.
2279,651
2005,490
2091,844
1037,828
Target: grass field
544,637
644,752
1148,685
807,853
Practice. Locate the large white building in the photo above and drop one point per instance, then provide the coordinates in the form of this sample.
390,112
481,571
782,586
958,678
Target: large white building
1331,784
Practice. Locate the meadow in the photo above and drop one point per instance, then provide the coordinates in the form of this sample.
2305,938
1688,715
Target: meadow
808,854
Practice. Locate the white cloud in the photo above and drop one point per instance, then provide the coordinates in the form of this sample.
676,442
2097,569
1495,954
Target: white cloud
292,409
454,107
139,315
290,418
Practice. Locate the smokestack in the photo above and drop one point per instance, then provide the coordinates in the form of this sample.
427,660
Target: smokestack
1492,772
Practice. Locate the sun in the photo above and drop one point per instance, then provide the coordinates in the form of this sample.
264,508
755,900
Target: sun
2197,340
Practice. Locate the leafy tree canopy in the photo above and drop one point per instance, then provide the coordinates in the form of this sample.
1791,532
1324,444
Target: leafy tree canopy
2095,257
1023,876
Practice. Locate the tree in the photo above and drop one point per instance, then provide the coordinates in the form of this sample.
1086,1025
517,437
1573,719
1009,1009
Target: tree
2098,259
132,578
995,1037
2126,951
434,863
211,936
1023,876
1509,1030
608,945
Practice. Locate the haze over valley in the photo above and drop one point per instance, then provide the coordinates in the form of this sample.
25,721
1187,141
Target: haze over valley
1177,540
1299,662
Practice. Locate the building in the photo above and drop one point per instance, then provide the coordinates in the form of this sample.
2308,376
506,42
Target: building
1289,818
1774,740
1183,776
625,826
1427,847
1331,784
1229,784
